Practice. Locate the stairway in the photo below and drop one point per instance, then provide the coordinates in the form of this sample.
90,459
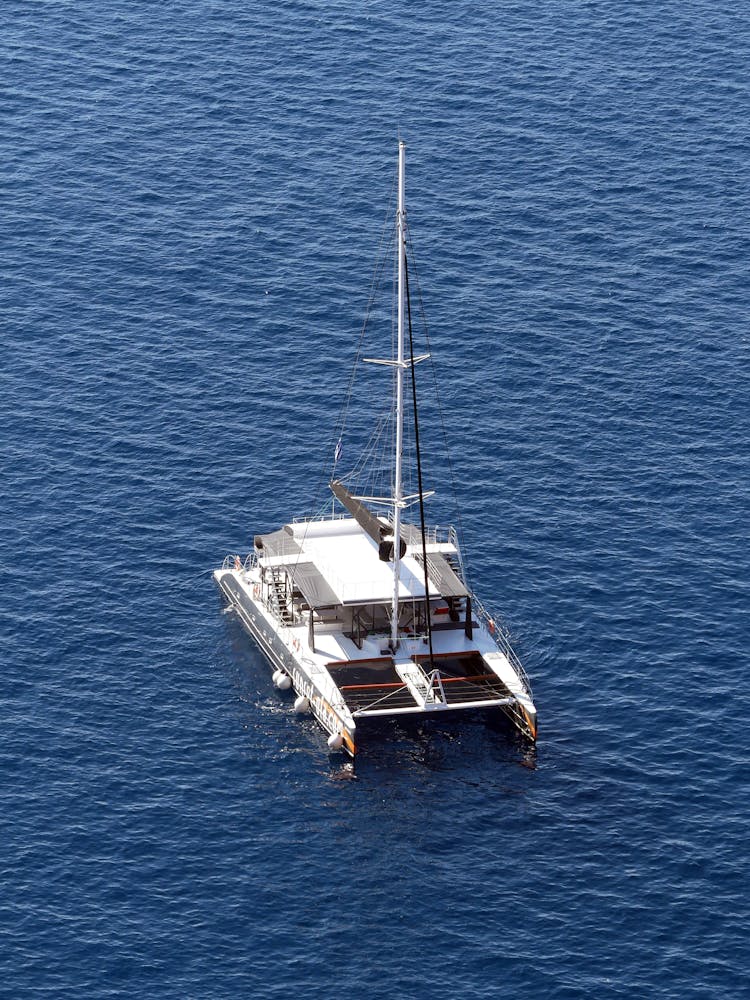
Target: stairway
277,597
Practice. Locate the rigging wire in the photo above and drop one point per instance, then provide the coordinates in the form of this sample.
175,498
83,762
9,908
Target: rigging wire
386,239
374,445
340,425
436,386
419,471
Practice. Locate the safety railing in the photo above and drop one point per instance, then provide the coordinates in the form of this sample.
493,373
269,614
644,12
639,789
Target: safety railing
453,539
435,533
321,517
235,561
502,641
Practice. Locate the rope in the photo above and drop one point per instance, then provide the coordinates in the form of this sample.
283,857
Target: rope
419,471
454,491
375,284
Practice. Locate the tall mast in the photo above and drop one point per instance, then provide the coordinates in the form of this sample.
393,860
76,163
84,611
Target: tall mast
398,490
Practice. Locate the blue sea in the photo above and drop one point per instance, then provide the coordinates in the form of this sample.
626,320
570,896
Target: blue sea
191,201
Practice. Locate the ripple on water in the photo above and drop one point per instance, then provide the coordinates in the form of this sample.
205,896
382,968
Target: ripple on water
193,202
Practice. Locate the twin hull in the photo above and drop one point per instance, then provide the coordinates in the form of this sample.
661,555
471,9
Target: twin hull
285,652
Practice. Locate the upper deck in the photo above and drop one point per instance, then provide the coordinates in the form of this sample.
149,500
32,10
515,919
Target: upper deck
335,562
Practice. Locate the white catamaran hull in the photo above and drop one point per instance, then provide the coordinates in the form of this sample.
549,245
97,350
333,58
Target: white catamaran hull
339,707
283,650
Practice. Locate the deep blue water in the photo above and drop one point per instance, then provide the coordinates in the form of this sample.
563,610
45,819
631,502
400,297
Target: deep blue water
191,200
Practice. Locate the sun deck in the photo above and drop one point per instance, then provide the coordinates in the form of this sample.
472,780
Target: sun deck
335,562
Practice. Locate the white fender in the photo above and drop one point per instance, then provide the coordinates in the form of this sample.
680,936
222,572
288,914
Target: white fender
301,705
335,741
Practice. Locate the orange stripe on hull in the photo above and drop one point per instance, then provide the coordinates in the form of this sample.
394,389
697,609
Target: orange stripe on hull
529,722
349,742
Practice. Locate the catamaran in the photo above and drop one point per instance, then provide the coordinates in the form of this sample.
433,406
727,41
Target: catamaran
364,614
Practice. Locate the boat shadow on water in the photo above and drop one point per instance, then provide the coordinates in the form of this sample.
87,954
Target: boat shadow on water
442,744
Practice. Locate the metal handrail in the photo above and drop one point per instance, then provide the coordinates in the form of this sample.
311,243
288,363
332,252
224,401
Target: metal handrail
249,562
453,539
502,640
320,517
435,533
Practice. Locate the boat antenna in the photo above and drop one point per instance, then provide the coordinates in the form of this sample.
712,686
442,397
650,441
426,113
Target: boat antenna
419,470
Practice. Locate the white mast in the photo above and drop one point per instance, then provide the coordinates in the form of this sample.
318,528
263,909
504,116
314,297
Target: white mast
398,489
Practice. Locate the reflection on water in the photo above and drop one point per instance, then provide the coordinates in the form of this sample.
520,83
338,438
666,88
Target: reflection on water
475,749
344,773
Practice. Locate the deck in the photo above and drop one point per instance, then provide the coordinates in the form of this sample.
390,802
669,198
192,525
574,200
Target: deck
374,685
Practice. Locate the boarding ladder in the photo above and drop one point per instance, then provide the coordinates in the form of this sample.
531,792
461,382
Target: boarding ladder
277,596
426,689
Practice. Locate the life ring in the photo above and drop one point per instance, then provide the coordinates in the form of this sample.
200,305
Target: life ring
237,563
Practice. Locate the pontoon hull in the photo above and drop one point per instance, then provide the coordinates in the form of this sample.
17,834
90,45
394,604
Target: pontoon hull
345,716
